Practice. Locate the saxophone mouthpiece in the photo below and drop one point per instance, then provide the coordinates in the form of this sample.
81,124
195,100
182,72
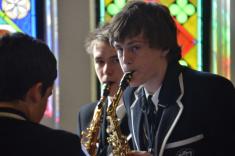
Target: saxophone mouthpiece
106,89
126,80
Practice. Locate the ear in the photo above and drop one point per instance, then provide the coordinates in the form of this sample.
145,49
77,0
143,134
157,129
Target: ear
34,93
48,91
38,103
165,52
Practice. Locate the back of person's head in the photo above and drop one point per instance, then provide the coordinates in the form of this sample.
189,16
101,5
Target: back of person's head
153,21
24,61
100,34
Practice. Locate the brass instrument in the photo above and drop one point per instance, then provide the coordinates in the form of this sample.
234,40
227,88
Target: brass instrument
89,137
116,139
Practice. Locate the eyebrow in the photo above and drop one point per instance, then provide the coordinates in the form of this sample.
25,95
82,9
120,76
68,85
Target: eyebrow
98,58
135,41
114,57
111,57
130,42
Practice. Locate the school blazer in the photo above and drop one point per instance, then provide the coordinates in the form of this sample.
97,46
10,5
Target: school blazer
19,136
198,119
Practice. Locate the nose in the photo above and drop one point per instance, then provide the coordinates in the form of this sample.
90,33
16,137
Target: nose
127,57
107,69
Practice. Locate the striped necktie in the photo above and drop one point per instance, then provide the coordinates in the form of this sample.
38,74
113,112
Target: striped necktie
154,117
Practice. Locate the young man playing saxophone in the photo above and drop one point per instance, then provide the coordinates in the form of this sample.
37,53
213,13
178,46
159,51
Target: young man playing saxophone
108,70
192,112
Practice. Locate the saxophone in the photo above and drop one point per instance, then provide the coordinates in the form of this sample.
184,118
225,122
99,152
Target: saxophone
89,137
116,139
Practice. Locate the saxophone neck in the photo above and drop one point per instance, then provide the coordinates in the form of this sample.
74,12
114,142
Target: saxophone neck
115,138
105,93
123,84
115,101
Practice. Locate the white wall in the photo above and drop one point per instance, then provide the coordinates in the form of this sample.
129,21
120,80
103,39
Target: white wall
75,71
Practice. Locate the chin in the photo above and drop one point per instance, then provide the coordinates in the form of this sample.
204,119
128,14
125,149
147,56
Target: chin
111,94
113,91
134,84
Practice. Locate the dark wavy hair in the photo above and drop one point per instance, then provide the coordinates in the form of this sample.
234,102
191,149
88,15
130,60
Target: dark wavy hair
153,21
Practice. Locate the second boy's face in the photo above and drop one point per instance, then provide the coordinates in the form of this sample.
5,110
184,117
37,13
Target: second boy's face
149,65
107,66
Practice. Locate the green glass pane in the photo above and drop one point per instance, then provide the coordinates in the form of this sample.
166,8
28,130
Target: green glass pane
183,62
112,9
189,9
120,3
174,9
182,17
2,21
182,3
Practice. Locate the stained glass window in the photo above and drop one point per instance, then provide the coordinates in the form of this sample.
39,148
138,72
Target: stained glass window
18,16
221,41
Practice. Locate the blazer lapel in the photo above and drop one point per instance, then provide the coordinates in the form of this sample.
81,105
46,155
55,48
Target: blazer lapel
124,126
169,119
136,118
172,87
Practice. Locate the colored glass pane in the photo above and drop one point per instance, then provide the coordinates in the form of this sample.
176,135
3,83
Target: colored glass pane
120,3
174,9
181,3
192,58
190,27
167,2
189,9
183,62
112,9
221,38
182,17
194,2
18,16
107,2
181,10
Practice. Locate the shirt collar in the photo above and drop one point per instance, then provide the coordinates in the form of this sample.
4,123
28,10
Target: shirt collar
154,97
12,113
120,110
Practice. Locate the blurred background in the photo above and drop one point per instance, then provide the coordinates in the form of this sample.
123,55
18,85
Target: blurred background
206,33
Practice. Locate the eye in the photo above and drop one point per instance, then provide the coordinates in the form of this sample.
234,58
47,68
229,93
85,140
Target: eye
115,60
99,62
135,48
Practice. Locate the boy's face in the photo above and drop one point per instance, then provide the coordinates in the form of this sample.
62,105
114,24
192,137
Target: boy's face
149,65
107,66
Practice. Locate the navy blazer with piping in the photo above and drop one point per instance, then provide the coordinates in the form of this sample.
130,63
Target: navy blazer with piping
198,118
24,138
